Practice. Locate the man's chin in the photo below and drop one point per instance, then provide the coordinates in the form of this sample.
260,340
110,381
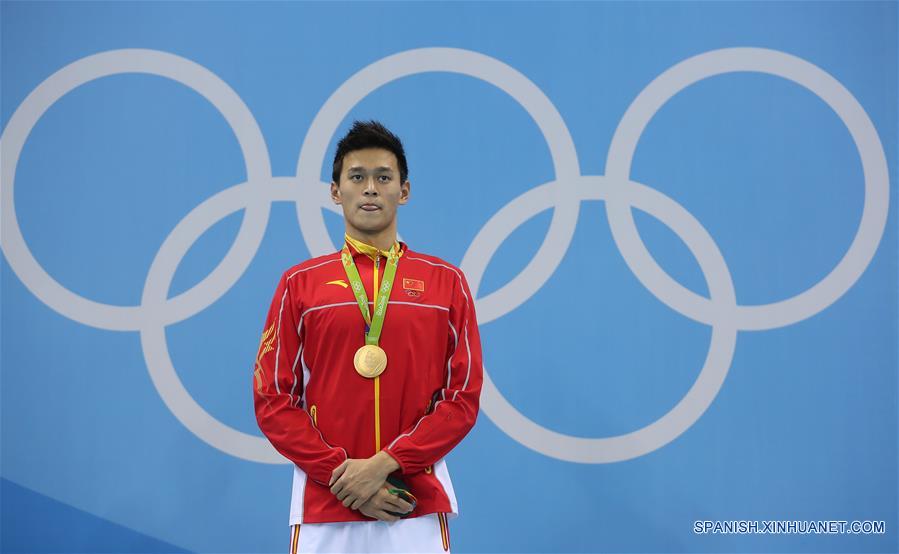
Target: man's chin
370,227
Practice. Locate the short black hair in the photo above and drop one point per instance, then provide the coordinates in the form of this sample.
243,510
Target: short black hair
369,134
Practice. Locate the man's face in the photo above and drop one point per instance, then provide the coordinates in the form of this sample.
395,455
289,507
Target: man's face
370,190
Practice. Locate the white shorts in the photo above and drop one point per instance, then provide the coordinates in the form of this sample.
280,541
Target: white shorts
428,533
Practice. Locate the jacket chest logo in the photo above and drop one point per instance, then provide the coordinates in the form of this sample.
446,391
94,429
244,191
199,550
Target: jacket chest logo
413,287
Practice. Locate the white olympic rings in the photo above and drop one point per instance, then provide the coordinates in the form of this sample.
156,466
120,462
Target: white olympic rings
564,195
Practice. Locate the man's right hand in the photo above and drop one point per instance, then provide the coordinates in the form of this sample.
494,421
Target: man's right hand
382,502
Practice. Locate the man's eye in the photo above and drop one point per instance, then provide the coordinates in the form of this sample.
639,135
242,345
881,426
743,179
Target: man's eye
356,177
384,178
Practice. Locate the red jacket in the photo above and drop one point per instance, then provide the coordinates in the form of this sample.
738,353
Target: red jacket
317,411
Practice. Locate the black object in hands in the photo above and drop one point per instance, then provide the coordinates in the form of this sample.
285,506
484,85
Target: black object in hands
399,488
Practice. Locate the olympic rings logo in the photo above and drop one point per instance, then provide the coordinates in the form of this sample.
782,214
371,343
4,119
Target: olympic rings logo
563,195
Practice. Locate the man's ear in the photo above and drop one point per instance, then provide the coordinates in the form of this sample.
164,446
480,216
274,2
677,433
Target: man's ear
335,192
405,191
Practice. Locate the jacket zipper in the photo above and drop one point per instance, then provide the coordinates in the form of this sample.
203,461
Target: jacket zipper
378,378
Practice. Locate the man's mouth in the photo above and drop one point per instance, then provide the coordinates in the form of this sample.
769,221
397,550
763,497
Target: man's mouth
370,207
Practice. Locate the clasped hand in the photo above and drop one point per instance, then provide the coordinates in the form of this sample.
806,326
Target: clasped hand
382,503
360,485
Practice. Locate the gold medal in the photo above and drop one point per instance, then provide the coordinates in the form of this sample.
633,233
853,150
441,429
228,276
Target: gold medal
370,361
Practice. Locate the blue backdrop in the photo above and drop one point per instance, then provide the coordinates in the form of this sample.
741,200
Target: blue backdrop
679,221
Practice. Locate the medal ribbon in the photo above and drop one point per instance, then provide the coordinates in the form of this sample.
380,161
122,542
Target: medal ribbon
374,322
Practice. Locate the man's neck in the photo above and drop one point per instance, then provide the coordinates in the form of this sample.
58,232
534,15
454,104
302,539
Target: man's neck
383,240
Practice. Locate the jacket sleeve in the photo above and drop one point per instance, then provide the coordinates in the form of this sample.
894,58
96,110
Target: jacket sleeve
456,409
278,392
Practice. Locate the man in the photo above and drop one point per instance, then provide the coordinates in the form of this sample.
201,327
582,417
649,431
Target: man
369,370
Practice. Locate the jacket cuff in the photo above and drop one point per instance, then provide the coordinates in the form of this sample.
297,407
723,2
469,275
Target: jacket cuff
325,473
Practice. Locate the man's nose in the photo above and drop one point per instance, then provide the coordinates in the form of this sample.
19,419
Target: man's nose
370,188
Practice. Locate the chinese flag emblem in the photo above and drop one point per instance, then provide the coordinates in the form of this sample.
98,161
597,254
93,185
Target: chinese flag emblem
413,284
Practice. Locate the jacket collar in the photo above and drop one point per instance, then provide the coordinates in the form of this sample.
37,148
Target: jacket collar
359,247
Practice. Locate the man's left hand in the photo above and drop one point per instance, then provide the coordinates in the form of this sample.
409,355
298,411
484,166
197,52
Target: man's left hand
356,480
